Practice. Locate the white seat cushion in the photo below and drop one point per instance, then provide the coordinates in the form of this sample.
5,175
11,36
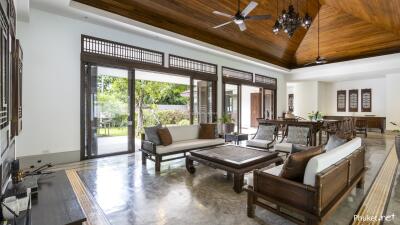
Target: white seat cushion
276,170
183,133
188,144
283,147
258,143
327,159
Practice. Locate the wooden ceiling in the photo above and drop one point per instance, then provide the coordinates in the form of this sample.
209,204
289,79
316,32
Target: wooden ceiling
349,29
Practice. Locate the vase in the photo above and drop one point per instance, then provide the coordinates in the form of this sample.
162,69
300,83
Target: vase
229,128
397,140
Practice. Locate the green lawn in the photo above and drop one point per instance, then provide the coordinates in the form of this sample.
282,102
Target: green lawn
112,131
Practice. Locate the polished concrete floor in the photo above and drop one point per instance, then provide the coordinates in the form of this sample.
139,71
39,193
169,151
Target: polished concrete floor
129,193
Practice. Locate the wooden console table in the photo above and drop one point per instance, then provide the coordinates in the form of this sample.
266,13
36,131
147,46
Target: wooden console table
56,203
372,121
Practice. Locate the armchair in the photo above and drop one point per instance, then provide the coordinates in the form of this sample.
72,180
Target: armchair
294,134
265,136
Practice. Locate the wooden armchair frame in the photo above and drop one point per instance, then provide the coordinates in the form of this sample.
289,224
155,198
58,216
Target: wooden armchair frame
312,203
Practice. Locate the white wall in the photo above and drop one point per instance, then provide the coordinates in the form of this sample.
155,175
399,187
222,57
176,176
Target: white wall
315,95
378,87
392,100
305,98
51,83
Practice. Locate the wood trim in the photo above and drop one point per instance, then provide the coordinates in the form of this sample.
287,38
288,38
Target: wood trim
194,60
191,100
128,64
92,210
265,85
374,204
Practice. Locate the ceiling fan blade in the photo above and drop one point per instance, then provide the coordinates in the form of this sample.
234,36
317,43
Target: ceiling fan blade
248,8
221,25
242,26
223,14
259,17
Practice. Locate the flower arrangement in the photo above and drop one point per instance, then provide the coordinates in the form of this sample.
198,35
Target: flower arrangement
315,116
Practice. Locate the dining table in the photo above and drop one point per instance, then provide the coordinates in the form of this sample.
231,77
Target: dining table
316,126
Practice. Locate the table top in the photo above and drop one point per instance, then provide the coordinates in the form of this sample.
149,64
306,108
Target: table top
235,156
236,135
56,202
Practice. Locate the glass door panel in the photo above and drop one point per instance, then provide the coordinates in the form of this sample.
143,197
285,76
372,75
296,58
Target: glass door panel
251,108
269,104
108,112
232,103
202,101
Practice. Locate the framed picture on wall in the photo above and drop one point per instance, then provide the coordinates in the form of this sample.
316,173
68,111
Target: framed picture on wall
353,100
366,100
290,102
341,101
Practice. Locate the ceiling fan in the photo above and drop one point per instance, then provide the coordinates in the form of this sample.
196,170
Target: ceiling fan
319,60
242,15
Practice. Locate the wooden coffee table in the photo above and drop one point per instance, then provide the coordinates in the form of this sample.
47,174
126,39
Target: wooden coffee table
235,160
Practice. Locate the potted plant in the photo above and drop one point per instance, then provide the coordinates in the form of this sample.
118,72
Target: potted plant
228,125
315,116
397,140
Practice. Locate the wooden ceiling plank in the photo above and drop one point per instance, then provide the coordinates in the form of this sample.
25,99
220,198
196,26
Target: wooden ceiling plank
382,13
356,39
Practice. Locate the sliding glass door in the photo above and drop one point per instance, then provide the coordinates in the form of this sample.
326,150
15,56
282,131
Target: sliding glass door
251,108
202,101
245,104
108,111
231,101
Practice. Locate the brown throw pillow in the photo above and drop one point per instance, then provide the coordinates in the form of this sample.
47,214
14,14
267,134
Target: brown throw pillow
295,165
207,131
165,136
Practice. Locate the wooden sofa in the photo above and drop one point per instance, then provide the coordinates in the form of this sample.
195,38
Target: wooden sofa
312,204
184,139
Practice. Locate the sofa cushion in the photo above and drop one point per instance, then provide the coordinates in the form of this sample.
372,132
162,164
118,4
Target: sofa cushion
283,147
265,132
334,142
295,165
183,133
258,143
276,170
188,144
165,136
207,131
152,135
327,159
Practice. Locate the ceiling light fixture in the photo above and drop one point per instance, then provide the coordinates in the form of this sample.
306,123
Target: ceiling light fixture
290,20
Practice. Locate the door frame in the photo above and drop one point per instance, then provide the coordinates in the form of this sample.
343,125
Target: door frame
239,84
86,102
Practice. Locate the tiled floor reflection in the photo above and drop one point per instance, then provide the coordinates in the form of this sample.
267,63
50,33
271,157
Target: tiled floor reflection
129,193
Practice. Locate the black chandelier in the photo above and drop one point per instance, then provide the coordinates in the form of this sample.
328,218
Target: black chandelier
290,20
